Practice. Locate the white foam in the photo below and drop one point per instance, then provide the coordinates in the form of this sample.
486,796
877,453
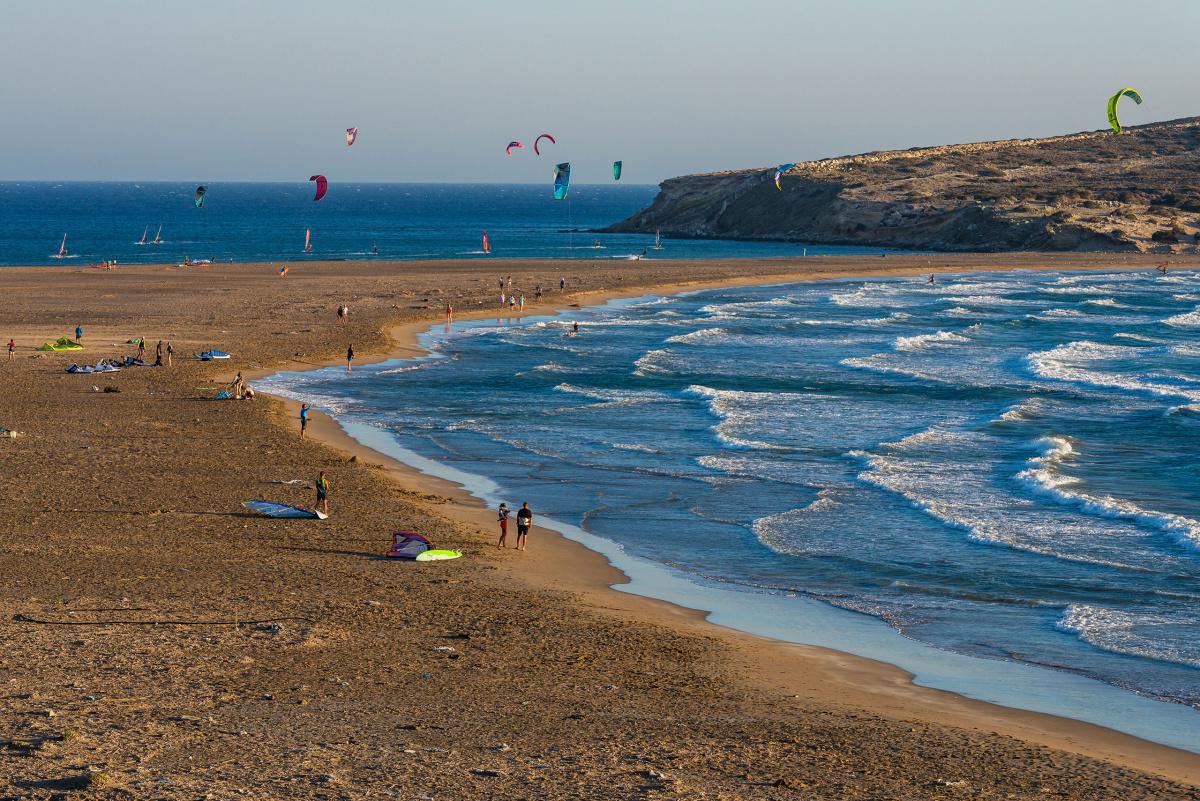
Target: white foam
1151,635
1043,476
1106,302
922,341
699,336
739,409
1071,363
1186,320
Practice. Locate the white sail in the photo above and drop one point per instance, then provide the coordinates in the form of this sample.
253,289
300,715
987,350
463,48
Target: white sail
158,237
142,241
62,249
308,240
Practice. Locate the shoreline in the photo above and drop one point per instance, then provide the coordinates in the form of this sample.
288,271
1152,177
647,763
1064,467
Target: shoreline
778,666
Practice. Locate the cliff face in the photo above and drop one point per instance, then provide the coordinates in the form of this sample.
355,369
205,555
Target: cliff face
1133,191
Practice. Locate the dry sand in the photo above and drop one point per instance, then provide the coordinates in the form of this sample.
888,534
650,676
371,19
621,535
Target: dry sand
188,649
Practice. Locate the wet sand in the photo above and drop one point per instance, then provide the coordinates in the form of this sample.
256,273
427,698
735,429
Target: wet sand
288,659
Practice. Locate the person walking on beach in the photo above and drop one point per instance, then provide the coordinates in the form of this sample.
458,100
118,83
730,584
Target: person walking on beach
12,349
521,303
537,292
142,349
502,298
562,284
449,313
323,494
170,352
236,385
524,521
304,407
512,302
158,354
78,333
502,514
341,314
349,357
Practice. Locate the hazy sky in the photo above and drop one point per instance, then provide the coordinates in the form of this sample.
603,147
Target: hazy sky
263,89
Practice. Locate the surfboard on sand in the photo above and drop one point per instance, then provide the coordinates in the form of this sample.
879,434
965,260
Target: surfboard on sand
437,555
282,510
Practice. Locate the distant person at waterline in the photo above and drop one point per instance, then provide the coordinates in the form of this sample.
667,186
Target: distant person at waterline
304,408
524,521
502,519
349,357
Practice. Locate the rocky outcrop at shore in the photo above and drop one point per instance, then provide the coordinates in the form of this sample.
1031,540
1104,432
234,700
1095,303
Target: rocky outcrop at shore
1096,191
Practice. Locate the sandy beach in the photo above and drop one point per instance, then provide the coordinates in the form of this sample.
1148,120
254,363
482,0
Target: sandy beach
163,642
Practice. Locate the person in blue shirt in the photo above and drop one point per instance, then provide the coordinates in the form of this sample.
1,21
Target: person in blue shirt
304,407
78,333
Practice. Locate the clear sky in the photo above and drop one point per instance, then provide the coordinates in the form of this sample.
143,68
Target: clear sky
263,89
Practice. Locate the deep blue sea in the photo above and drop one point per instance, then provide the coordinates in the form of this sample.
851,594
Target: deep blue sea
1000,465
267,222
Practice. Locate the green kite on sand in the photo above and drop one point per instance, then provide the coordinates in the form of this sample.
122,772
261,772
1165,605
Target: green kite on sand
1132,94
62,344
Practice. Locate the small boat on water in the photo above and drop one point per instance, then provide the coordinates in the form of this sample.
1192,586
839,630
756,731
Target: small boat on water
658,239
142,241
487,246
374,249
158,237
62,250
308,240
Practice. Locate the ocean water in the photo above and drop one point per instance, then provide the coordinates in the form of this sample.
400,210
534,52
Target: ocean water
1003,466
267,222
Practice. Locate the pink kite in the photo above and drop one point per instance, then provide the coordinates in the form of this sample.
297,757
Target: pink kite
513,145
538,141
322,186
351,135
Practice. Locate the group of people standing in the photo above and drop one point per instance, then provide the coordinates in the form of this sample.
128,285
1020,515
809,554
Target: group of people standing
524,522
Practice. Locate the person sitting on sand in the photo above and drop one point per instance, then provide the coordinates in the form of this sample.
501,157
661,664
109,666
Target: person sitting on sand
304,407
248,394
524,521
323,493
502,517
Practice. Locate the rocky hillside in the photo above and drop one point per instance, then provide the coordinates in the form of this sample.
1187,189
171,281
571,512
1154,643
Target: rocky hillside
1099,191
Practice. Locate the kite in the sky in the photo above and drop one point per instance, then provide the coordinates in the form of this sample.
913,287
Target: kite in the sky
513,145
538,141
779,171
616,170
351,135
201,191
1132,94
322,186
562,180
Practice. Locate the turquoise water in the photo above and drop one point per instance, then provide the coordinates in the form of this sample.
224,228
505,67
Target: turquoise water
1002,467
267,222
